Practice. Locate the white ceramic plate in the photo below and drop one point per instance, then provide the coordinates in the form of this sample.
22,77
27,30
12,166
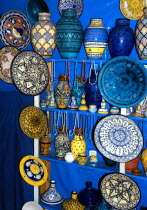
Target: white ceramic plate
31,205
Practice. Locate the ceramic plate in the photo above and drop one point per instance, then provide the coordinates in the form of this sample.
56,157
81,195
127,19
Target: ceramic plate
7,55
31,205
70,4
15,29
33,170
132,9
30,73
120,191
123,81
33,122
118,138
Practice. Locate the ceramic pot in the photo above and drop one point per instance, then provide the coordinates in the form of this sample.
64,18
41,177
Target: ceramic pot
62,92
52,196
45,144
72,203
141,36
43,35
144,160
78,144
71,4
89,196
82,159
69,34
62,142
121,38
69,157
132,164
95,39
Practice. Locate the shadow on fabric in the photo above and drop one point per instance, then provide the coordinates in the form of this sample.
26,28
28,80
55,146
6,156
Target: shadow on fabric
14,145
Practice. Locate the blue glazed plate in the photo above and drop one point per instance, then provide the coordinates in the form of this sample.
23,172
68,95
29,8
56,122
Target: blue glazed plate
118,138
122,81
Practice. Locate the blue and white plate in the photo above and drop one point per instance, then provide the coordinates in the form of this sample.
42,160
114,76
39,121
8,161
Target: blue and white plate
118,138
122,81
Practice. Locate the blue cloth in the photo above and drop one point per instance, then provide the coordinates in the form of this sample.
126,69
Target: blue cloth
14,145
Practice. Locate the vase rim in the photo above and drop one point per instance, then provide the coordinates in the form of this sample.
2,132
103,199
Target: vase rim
47,13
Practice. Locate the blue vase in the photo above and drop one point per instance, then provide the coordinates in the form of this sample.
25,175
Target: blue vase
95,39
69,34
121,38
92,93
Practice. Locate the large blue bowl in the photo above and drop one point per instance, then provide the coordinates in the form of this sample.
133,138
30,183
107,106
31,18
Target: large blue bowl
122,81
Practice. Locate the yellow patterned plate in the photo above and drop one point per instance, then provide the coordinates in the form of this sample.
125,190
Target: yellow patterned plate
132,9
33,122
33,170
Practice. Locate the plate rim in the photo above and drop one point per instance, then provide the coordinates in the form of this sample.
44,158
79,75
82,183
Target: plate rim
102,150
121,174
45,63
100,81
131,18
23,174
29,29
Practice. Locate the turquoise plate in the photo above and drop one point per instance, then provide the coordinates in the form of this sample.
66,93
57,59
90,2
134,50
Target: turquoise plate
122,81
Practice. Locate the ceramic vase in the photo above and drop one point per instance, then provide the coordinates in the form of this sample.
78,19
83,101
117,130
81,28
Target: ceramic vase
45,144
130,165
78,144
89,196
43,35
121,38
92,93
62,92
141,36
72,203
52,196
95,39
71,4
144,160
69,157
69,34
62,142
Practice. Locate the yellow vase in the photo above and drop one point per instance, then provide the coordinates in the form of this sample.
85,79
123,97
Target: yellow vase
72,203
144,160
78,144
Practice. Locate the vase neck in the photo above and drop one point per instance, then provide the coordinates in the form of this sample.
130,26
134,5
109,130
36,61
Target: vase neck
44,16
96,21
69,13
122,22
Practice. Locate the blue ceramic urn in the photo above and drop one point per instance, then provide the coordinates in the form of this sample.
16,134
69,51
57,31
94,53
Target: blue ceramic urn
69,34
121,38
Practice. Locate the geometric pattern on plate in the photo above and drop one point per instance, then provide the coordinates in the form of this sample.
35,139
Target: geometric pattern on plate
7,55
15,29
118,138
30,73
120,191
33,122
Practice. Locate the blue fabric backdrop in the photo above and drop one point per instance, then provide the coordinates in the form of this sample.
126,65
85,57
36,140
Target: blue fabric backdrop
14,145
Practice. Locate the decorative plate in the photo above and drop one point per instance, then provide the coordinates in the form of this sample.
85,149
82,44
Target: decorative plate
7,54
33,170
15,29
33,122
70,4
132,9
118,138
123,81
30,73
120,191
